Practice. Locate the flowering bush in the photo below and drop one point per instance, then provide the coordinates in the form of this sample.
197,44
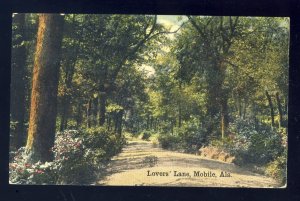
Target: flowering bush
107,143
21,172
77,156
70,163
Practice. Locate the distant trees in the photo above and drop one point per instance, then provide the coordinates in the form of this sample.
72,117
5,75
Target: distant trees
71,50
18,75
230,53
212,39
122,42
41,132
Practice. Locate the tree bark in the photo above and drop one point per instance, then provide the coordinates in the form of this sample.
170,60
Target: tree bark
78,115
119,117
148,122
95,111
102,111
88,113
109,122
271,108
18,71
43,110
224,117
65,112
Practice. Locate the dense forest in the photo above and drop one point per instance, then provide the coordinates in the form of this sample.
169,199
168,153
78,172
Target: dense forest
82,83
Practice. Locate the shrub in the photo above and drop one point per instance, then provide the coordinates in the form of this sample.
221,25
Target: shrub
107,142
71,162
146,135
189,138
277,169
77,154
169,141
254,143
21,172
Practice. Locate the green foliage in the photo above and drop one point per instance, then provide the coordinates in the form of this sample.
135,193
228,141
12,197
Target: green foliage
146,135
169,141
22,172
107,143
188,138
78,155
255,142
192,137
114,107
277,169
211,66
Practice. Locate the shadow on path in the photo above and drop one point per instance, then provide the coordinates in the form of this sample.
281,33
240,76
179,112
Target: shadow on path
140,158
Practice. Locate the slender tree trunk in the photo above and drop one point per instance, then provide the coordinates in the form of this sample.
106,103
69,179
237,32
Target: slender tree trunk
240,108
245,109
138,126
109,121
271,108
179,108
119,115
65,112
102,111
148,122
18,72
88,113
224,117
95,111
78,115
279,109
172,126
115,115
41,132
179,115
151,122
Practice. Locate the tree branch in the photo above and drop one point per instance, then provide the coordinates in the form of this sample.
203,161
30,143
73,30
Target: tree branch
134,50
166,32
196,26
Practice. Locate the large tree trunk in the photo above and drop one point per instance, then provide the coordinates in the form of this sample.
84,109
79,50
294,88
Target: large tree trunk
216,102
43,110
18,72
212,111
271,108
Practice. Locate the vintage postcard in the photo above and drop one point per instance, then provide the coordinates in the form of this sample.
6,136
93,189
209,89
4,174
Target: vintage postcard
149,100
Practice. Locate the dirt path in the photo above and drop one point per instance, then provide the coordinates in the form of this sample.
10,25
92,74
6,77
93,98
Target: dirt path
142,164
